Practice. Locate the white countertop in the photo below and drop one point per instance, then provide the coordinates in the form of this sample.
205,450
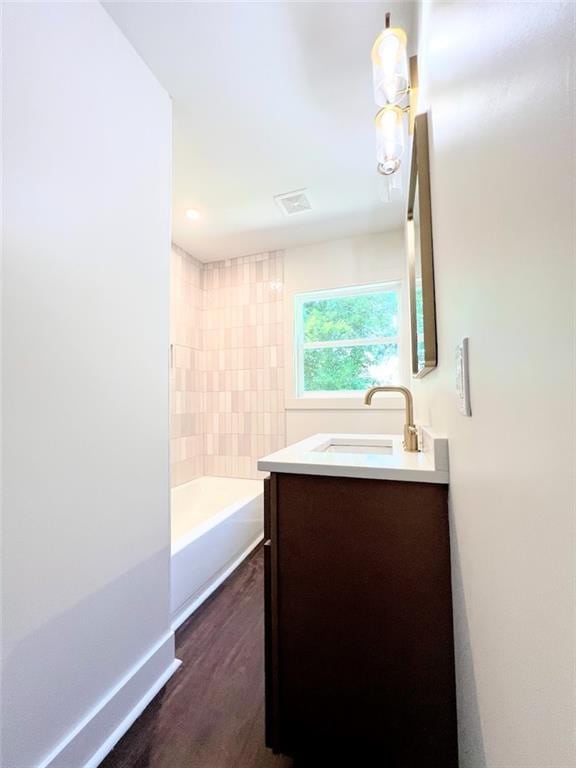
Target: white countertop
430,465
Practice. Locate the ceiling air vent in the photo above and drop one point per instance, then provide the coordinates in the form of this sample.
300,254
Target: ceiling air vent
292,203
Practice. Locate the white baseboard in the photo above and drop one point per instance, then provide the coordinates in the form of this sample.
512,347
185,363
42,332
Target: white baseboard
132,716
95,735
197,600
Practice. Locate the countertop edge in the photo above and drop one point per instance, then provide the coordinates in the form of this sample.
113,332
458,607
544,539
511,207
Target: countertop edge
435,476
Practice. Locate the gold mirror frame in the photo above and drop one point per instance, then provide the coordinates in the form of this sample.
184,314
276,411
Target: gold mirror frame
420,184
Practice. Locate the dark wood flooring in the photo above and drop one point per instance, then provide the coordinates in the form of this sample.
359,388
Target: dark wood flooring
211,712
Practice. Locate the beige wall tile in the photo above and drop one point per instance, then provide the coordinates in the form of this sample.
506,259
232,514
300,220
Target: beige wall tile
227,405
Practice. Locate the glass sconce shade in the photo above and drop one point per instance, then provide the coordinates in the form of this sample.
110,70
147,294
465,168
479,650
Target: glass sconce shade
390,66
390,187
389,139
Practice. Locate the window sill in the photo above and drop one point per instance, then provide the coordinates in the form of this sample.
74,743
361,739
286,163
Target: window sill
382,402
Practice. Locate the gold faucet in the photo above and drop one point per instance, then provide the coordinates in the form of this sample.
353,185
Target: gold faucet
410,431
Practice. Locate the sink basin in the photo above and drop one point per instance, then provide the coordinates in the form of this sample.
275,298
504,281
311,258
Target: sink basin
352,445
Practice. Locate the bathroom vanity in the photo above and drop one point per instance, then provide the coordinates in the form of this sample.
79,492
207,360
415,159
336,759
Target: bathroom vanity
359,638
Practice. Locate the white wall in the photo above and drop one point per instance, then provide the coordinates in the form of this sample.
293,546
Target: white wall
336,264
86,185
499,83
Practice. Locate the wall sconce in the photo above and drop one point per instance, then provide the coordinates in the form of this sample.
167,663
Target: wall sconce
389,124
395,90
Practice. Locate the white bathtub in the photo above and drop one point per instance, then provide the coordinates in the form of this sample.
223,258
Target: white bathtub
216,522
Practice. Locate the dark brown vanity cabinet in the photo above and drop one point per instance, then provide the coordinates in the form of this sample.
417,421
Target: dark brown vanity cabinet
359,639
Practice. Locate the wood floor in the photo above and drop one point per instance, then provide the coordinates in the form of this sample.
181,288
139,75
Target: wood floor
211,713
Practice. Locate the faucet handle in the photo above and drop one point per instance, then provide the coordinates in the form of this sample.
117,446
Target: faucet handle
411,438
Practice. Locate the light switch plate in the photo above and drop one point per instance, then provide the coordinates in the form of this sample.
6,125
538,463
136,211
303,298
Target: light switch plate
463,378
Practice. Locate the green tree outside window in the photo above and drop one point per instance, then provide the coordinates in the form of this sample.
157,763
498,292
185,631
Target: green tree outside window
349,339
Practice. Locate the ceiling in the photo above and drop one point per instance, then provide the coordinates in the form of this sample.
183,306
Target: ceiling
269,97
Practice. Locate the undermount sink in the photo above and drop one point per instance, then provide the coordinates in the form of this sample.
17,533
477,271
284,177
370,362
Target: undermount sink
352,445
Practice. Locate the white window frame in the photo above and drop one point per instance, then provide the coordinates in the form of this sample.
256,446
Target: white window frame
300,345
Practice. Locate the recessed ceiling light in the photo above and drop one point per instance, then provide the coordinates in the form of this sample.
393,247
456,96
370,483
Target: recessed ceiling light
192,214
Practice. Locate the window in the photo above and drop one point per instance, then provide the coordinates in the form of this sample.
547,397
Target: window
347,339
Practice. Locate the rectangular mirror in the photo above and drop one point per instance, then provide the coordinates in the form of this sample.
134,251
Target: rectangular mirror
420,256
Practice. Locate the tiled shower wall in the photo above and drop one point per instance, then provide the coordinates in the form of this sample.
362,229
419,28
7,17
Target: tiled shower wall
186,386
243,363
227,367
